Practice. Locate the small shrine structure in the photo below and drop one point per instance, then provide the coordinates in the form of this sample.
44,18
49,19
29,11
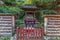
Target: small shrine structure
29,31
30,18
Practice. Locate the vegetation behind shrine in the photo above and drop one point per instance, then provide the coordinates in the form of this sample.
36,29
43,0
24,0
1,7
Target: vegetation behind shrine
14,6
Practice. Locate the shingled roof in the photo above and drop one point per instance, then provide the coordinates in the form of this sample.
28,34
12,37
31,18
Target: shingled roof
29,7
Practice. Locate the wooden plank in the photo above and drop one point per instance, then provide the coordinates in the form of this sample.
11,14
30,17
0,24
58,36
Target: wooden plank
52,25
6,34
6,28
7,14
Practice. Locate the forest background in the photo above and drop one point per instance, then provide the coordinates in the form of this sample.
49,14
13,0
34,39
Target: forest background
47,7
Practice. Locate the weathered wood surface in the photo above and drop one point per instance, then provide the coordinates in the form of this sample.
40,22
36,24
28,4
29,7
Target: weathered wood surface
52,26
6,25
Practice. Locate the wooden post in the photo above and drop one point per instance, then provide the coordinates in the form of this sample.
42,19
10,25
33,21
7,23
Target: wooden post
45,24
17,34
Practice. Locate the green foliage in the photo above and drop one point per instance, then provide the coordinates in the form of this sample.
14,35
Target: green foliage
54,38
18,21
19,4
40,13
5,38
43,1
39,25
45,4
47,12
9,9
8,2
28,1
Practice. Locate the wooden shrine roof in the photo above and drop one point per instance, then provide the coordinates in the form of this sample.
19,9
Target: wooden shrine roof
3,14
30,7
51,15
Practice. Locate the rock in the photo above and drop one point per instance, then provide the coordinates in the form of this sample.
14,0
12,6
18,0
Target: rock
13,37
1,2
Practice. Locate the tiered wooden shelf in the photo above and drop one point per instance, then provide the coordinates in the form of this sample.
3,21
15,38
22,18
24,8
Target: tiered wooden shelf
6,24
53,25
